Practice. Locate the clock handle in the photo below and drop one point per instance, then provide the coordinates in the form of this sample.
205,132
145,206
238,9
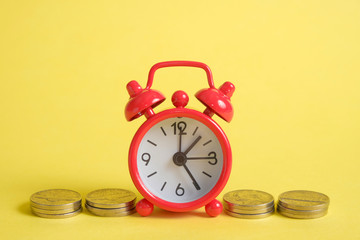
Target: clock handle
179,64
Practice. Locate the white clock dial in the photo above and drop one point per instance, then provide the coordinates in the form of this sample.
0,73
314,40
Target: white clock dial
179,160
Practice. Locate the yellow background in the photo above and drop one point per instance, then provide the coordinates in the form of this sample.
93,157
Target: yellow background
64,66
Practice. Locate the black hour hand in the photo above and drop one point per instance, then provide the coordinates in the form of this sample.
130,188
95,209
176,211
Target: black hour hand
192,145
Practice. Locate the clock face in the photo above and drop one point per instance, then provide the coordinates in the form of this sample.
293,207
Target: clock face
179,160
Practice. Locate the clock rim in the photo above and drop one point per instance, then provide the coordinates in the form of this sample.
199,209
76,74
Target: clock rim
220,184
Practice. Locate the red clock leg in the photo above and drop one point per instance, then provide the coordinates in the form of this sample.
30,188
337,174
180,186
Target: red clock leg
214,208
144,207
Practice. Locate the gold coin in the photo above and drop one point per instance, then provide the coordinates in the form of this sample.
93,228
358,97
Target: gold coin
52,212
110,198
304,200
74,206
55,199
301,214
58,216
236,209
111,212
249,216
248,199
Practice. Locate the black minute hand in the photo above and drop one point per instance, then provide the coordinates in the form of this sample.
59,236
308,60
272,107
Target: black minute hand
192,145
192,177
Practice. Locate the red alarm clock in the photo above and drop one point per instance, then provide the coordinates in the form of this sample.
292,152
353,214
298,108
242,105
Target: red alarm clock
179,159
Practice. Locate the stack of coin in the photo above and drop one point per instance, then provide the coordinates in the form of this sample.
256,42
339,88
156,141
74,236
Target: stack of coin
251,204
56,203
303,204
111,202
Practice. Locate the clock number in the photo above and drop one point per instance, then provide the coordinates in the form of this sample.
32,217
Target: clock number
180,126
213,156
179,190
146,158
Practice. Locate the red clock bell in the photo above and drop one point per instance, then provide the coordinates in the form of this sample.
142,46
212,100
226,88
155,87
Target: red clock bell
180,158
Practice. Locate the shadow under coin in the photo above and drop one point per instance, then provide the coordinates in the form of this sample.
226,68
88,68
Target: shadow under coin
24,208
